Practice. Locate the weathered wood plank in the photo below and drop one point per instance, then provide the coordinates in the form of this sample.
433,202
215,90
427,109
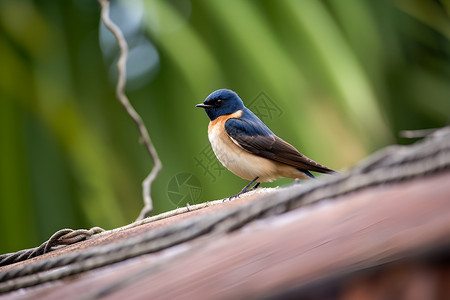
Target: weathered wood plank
309,245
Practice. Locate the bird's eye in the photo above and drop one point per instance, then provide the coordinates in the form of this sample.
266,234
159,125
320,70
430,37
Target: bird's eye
219,101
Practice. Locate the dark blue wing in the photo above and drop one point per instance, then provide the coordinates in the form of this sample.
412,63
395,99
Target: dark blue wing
252,135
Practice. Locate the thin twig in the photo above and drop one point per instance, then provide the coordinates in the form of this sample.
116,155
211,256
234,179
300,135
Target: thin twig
414,134
120,92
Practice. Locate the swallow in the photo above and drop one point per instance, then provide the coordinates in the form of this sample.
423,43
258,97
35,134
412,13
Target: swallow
247,147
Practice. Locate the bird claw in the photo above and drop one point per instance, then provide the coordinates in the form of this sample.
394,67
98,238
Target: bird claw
243,191
236,196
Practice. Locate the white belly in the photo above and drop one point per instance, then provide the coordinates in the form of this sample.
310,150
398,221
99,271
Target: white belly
241,162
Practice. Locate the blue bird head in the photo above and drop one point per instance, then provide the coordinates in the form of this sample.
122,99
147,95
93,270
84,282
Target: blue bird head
221,102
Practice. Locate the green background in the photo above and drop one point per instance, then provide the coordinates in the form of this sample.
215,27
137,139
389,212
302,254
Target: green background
342,77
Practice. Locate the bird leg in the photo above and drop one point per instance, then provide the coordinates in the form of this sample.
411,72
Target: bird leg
255,186
246,188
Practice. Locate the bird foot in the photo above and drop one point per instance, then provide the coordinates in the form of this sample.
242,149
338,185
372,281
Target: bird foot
236,196
243,191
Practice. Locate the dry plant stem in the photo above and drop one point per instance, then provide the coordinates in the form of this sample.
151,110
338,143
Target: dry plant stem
120,92
413,134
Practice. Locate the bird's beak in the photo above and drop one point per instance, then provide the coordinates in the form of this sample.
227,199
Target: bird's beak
203,105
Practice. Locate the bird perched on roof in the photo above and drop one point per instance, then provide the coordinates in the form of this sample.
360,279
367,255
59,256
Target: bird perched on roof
247,147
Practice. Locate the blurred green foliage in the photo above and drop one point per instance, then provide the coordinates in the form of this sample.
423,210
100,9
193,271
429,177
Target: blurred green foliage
346,76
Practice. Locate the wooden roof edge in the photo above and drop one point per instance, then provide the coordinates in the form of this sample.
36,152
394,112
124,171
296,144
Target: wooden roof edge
302,252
